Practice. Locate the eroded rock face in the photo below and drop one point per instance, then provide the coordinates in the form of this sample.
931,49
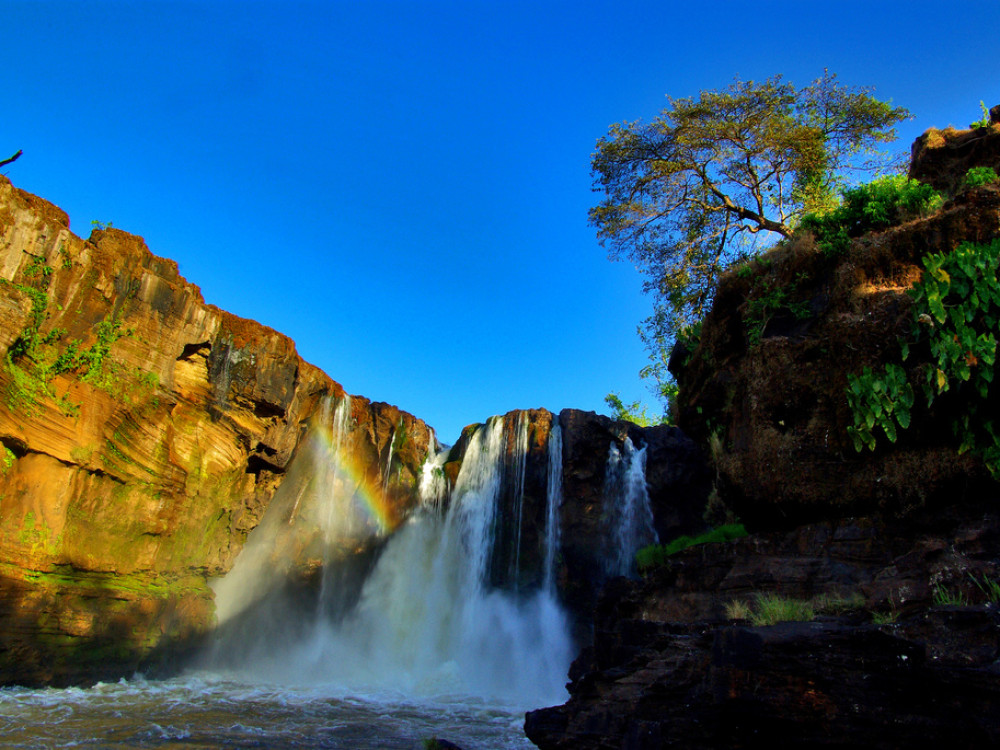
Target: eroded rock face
670,669
897,532
942,157
777,407
143,433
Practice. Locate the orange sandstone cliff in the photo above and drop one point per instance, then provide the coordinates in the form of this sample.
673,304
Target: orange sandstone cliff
143,434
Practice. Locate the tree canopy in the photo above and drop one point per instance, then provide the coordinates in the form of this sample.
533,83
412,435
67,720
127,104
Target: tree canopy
712,180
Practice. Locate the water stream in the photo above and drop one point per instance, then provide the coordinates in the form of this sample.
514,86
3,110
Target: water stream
403,639
628,516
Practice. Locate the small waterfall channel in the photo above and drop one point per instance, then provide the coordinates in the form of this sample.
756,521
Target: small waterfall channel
426,619
628,517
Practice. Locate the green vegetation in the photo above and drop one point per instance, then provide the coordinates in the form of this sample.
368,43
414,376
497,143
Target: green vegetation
767,300
983,122
656,555
882,203
38,536
769,609
885,618
704,184
978,176
7,458
34,359
635,412
989,588
955,316
946,598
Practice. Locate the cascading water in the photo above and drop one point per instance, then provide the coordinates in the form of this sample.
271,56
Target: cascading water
628,516
316,514
433,482
427,621
553,501
422,645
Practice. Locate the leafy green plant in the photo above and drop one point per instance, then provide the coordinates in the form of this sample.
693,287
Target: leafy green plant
635,412
656,555
955,315
881,400
769,299
7,458
880,204
978,176
984,122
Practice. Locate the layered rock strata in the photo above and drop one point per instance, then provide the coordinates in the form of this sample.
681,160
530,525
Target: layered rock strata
143,433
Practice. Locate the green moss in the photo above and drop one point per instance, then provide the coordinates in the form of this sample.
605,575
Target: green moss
37,535
7,459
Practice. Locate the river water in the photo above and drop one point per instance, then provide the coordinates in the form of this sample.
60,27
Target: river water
207,710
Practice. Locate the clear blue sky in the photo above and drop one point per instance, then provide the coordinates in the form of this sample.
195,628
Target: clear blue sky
402,187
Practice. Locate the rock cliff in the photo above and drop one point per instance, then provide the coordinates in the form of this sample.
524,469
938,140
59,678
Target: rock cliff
775,404
893,554
143,433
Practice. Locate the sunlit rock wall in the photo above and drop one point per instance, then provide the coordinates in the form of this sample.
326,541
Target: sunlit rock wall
143,433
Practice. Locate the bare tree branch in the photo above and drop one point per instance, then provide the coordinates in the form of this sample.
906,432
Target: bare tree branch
15,157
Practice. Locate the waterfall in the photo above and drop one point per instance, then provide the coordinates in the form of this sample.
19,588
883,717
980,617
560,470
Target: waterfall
426,620
553,501
628,517
318,513
387,473
518,458
433,488
327,475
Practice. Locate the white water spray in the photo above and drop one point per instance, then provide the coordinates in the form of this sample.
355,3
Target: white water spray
627,513
433,488
427,622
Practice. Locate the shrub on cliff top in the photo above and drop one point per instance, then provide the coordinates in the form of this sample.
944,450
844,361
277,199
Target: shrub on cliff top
880,204
978,176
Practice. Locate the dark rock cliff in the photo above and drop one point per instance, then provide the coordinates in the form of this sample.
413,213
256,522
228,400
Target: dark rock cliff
896,551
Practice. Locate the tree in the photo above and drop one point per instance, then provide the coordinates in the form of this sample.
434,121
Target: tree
712,180
635,412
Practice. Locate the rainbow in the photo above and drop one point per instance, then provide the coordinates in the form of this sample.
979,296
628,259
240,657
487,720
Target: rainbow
367,491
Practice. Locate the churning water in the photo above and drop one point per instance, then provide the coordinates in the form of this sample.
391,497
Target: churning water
201,711
421,646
